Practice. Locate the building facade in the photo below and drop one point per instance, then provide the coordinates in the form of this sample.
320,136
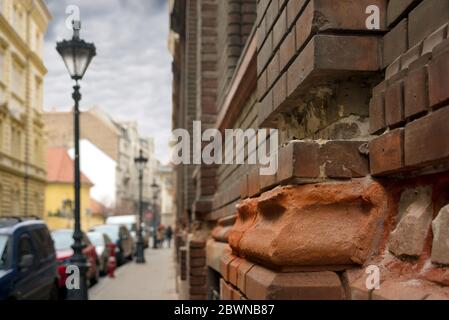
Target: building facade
59,194
22,144
362,181
119,141
166,182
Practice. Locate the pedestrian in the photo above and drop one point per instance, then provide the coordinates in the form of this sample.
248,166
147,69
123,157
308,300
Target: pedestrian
168,235
160,236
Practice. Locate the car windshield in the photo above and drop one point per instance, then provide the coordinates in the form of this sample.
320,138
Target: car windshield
111,230
3,251
96,238
63,240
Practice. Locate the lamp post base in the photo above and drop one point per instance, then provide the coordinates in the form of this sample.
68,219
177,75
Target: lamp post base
80,292
140,258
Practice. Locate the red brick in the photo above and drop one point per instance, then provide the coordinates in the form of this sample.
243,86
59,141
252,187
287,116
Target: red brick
253,182
343,160
294,7
262,85
395,43
427,17
439,80
273,70
287,49
397,8
434,39
225,261
386,153
225,290
426,141
197,262
394,103
233,271
272,13
299,159
416,97
244,186
280,28
265,107
197,280
244,267
264,54
280,91
377,113
264,284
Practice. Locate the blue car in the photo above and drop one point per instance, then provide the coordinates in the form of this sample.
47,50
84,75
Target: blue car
28,267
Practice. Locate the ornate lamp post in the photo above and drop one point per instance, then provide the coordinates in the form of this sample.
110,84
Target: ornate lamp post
155,188
141,162
77,55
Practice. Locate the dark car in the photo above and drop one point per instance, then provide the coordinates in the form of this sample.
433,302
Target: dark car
63,240
123,240
105,249
28,267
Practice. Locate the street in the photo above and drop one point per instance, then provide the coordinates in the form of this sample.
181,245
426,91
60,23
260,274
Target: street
154,280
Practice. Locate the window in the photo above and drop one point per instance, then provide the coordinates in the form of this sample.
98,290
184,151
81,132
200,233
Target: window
18,80
25,246
44,243
16,142
38,93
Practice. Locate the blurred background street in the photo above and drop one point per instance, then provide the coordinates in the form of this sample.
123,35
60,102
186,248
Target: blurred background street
150,281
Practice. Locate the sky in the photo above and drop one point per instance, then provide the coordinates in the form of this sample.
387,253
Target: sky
130,78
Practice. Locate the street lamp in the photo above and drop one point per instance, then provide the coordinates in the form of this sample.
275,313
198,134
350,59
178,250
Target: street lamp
155,188
77,55
141,162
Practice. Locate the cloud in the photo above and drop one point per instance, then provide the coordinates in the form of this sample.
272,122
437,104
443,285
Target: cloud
130,78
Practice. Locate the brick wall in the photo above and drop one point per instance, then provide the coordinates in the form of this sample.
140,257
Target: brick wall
363,160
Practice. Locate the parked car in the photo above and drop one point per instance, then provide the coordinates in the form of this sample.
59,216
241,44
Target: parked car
131,223
28,267
121,237
105,249
63,240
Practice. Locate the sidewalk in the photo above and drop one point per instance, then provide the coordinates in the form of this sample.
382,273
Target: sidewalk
154,280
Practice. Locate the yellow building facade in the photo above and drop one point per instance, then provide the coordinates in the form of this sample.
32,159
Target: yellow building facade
23,24
59,207
60,194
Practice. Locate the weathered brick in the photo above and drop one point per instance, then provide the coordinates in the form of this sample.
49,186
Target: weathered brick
386,153
398,8
299,159
343,160
280,28
435,39
439,80
263,284
273,70
395,43
280,91
394,103
377,113
426,139
416,97
253,182
427,17
294,7
287,49
225,290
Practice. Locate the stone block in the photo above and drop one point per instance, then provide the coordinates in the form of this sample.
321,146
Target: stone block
411,231
440,247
